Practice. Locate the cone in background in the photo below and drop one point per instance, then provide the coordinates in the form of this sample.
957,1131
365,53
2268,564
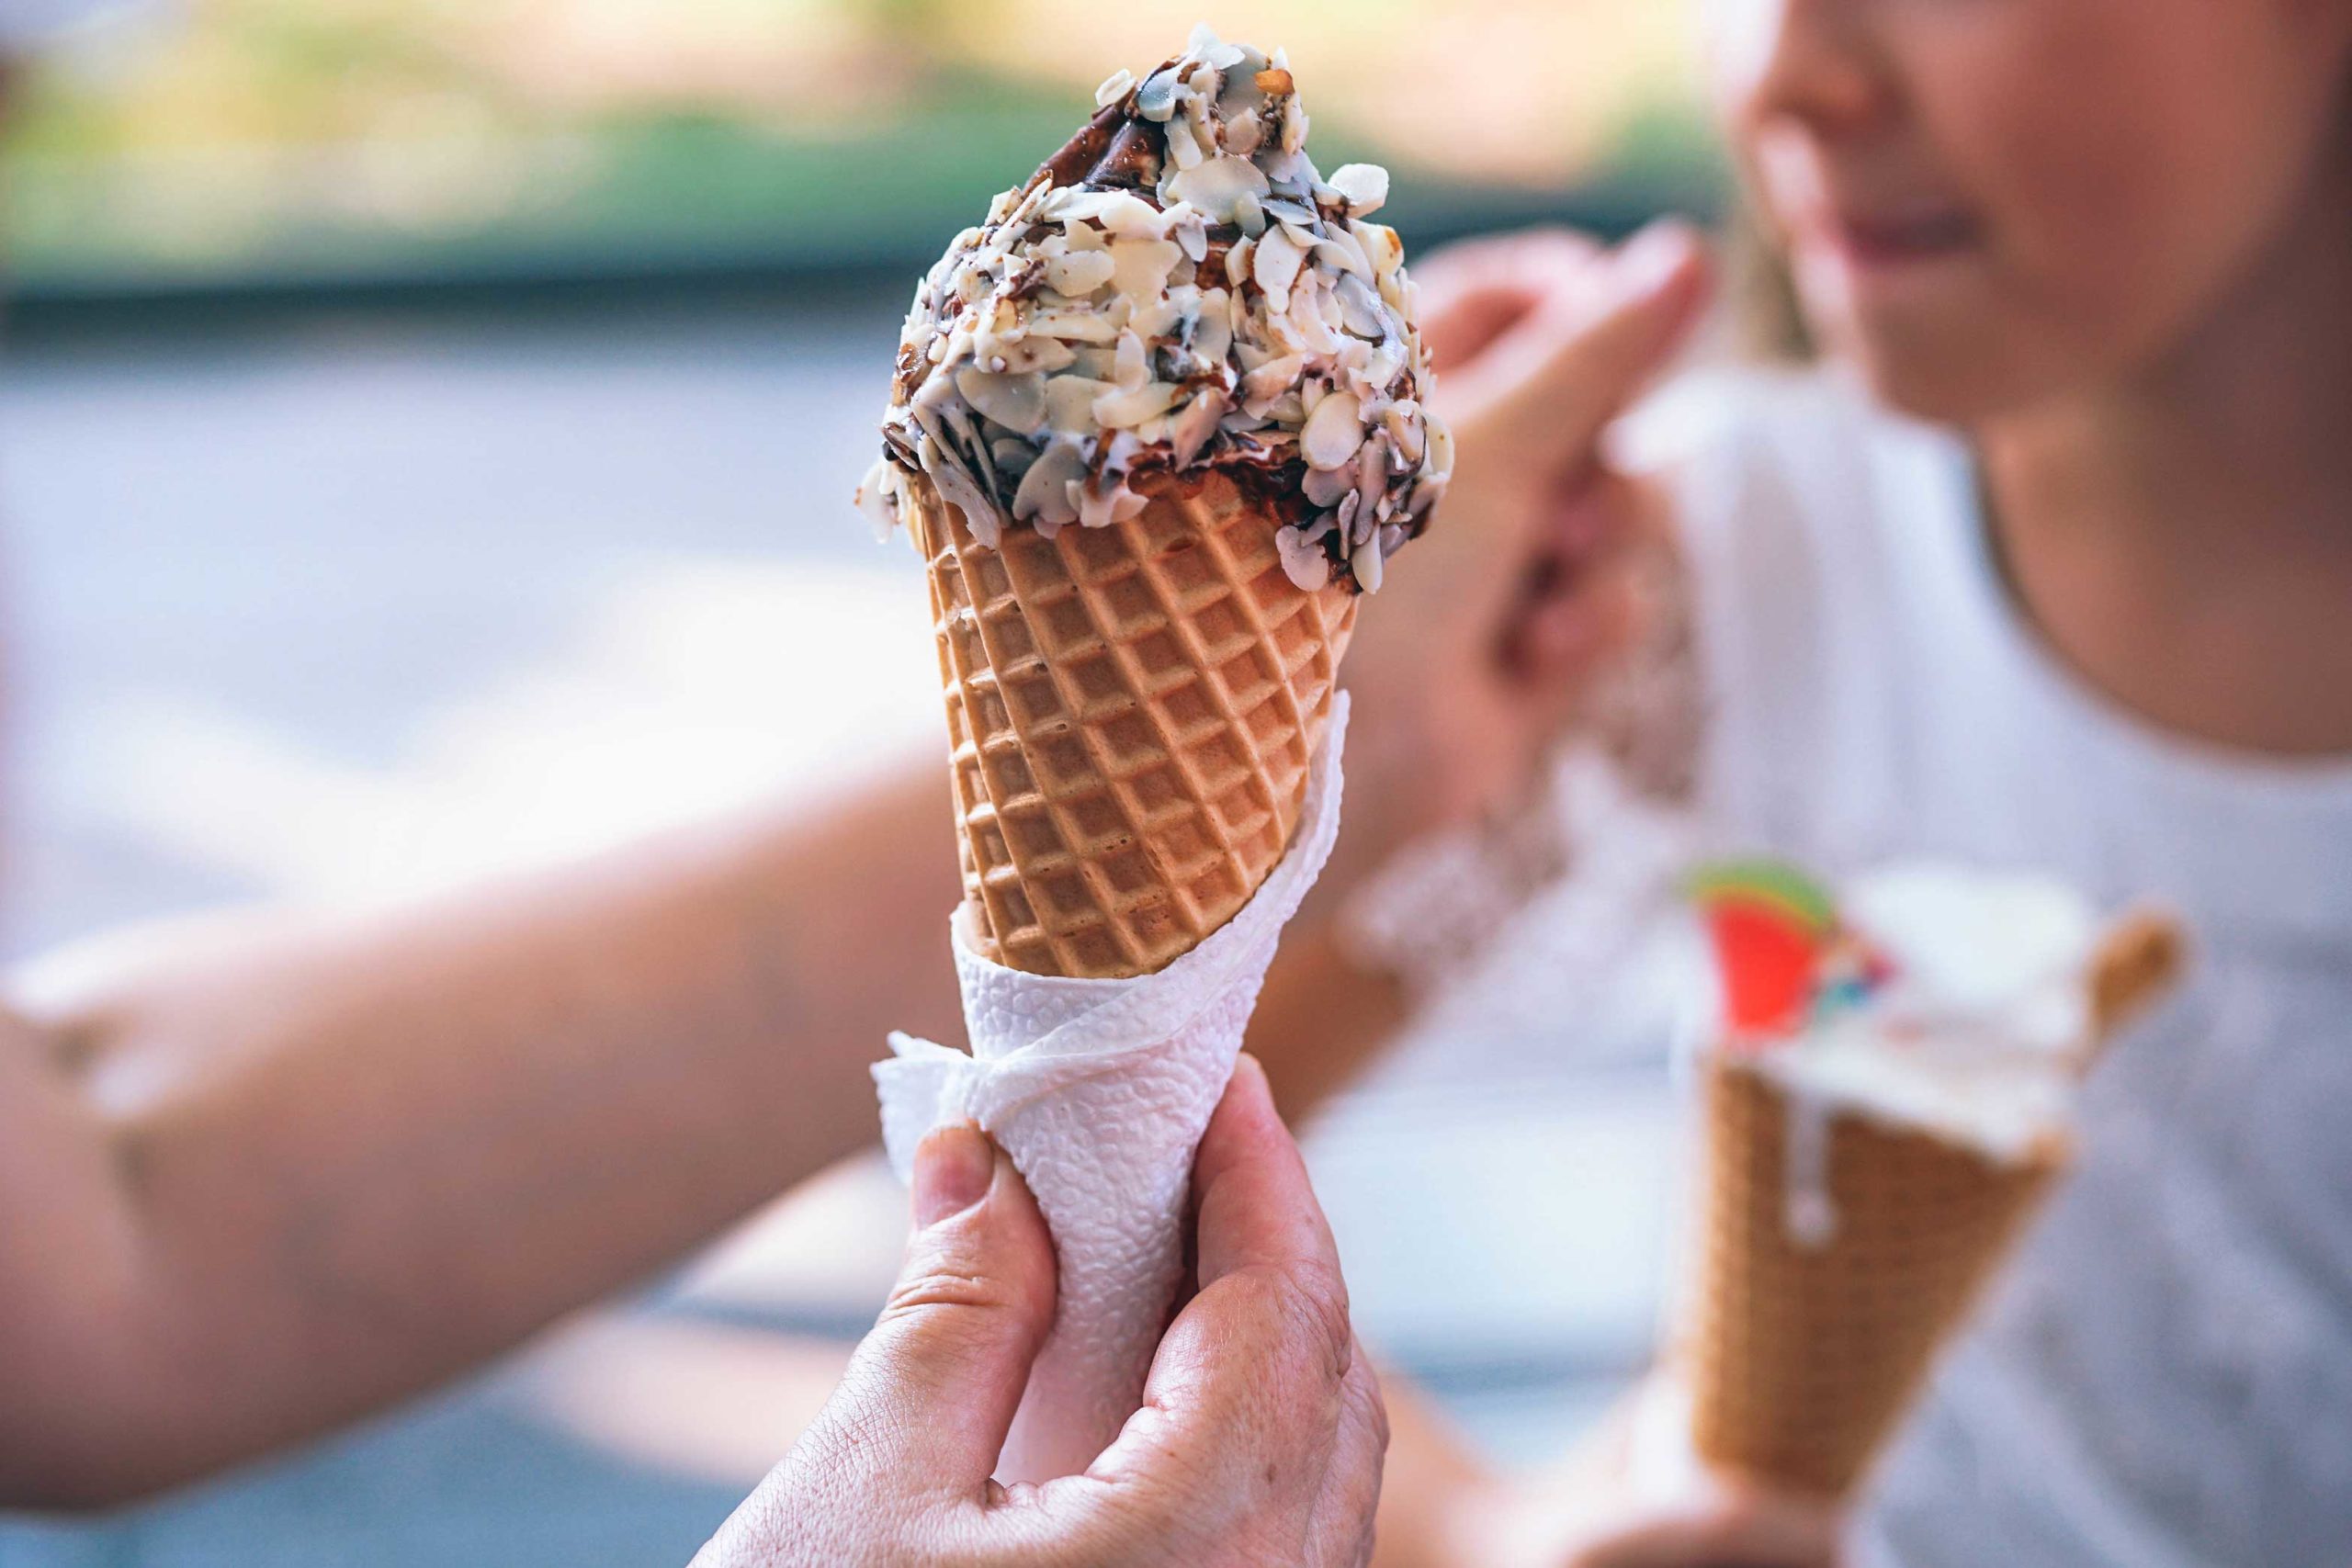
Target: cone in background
1132,712
1801,1360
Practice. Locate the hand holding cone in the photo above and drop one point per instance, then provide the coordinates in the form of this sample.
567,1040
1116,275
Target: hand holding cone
1155,425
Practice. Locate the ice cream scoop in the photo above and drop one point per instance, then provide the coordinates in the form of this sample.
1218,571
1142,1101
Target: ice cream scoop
1963,1001
1177,290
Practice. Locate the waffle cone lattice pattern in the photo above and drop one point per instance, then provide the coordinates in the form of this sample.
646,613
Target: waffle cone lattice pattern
1133,711
1802,1361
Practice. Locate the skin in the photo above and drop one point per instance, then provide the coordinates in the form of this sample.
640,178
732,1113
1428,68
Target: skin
1233,1461
262,1179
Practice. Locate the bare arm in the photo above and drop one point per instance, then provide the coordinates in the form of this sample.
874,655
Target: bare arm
261,1192
290,1174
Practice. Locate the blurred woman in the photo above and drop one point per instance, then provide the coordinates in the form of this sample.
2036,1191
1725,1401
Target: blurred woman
2046,564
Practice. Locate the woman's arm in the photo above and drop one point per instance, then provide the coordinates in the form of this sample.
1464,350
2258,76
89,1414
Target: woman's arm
255,1193
280,1175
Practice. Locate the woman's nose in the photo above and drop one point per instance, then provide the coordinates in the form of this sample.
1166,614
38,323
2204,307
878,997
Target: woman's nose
1816,61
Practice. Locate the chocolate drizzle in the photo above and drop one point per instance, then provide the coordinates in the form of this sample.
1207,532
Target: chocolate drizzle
1114,151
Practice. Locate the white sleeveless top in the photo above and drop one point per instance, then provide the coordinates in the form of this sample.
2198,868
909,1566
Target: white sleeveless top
2164,1380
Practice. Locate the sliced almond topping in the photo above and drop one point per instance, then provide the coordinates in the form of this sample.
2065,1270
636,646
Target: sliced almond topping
1275,266
1366,185
1114,87
1125,409
1016,402
1075,276
1090,332
1305,564
1333,431
1133,367
1141,266
1070,402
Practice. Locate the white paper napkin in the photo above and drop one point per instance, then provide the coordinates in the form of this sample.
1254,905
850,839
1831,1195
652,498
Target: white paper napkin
1098,1091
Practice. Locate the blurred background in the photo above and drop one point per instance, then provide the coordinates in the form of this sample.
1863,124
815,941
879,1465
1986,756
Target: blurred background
426,435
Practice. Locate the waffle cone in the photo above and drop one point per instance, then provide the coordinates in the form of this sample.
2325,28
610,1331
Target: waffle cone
1131,711
1801,1361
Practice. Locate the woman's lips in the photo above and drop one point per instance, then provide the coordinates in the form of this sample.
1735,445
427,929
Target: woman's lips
1885,242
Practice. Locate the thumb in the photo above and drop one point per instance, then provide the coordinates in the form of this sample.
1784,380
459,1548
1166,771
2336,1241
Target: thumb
930,1392
1552,383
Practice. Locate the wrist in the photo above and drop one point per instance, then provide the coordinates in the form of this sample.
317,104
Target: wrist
1479,1527
1439,900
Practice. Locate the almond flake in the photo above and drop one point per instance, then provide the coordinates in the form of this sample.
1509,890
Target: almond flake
1334,432
1275,266
1366,187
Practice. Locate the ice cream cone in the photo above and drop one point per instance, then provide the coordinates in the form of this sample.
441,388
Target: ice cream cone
1803,1358
1131,711
1155,424
1840,1245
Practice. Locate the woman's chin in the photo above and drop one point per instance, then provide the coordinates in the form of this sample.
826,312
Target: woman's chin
1942,372
1928,339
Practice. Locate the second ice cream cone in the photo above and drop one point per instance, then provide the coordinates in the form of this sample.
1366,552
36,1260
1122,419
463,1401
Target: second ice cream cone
1890,1103
1803,1353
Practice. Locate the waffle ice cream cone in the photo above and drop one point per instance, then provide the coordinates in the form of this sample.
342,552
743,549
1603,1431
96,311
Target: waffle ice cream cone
1132,713
1873,1148
1155,425
1803,1358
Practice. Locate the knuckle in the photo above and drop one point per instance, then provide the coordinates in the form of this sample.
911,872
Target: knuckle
936,1288
1306,1301
1172,1513
1363,1385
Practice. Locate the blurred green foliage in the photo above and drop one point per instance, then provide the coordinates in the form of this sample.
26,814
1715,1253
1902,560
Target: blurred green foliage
294,141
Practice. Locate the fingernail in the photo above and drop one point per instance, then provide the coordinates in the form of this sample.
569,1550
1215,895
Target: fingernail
1653,258
953,1168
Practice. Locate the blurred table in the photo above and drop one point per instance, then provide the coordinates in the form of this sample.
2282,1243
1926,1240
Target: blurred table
349,610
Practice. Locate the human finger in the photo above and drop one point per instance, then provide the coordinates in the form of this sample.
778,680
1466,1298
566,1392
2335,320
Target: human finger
1544,390
929,1392
1473,291
1340,1535
1246,1385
